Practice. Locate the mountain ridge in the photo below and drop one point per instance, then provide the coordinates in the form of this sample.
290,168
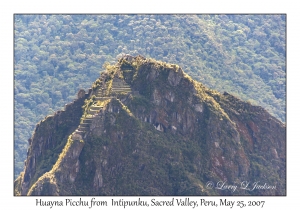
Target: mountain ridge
155,123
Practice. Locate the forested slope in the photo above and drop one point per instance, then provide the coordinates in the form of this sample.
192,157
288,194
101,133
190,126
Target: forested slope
56,55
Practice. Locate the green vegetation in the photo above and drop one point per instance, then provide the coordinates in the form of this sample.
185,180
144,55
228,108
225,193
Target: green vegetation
56,55
131,161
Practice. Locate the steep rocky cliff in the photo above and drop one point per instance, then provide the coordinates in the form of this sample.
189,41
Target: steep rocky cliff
147,128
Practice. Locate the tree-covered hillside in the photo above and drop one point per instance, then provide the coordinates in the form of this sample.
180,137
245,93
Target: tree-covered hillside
56,55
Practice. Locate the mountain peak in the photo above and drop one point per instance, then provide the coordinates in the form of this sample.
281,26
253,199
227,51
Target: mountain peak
147,128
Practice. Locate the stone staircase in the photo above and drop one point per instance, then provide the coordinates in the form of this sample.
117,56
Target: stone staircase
101,92
122,89
84,126
103,98
118,86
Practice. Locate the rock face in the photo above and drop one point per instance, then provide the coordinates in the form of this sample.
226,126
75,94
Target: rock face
49,139
147,128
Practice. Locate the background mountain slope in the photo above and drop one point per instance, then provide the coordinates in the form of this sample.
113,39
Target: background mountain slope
56,55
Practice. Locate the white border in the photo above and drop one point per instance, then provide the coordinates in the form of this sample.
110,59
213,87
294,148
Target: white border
153,6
